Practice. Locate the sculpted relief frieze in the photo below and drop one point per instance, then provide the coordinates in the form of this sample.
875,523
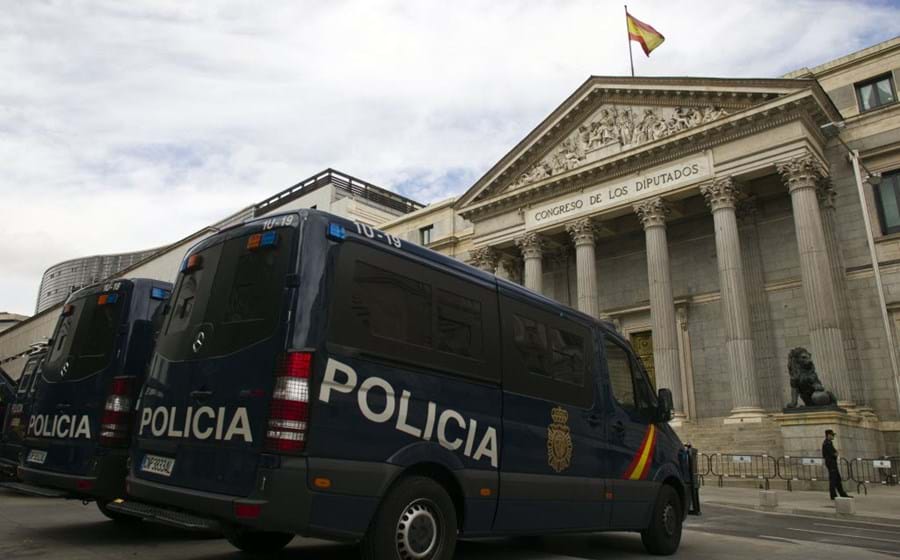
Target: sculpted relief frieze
612,129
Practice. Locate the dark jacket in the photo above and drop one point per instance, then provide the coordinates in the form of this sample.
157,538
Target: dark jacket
830,454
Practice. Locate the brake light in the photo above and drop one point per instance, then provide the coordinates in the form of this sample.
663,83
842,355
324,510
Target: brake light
116,424
289,412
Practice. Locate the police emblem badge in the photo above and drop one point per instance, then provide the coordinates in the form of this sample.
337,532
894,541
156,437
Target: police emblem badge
559,440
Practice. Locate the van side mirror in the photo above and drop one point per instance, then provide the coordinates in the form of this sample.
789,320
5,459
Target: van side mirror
665,405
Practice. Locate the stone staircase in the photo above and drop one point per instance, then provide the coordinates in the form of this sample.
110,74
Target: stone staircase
711,435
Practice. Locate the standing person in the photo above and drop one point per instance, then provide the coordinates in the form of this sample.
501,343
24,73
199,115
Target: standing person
830,454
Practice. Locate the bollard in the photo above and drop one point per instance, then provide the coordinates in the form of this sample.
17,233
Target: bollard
845,506
768,499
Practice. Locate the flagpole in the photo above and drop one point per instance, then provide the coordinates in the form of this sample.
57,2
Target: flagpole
628,34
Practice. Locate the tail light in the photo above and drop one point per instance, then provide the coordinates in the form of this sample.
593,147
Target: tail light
117,418
289,412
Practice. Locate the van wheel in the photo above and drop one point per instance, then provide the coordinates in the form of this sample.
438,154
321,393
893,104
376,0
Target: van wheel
256,542
663,535
416,521
114,515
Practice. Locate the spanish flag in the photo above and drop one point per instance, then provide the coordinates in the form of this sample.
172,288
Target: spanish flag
644,34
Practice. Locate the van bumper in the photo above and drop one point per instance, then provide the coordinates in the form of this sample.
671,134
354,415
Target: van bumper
282,500
106,481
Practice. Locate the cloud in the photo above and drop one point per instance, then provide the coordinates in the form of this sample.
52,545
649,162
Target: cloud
127,125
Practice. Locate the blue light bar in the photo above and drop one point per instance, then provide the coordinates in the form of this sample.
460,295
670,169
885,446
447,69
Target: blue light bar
336,232
112,298
159,293
268,239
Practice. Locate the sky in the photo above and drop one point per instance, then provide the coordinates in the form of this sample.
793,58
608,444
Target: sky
129,125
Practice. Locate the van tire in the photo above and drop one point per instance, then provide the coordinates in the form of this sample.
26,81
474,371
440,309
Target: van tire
256,542
663,535
116,516
416,517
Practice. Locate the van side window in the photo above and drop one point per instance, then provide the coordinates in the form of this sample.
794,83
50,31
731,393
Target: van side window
546,354
391,305
459,325
398,309
620,376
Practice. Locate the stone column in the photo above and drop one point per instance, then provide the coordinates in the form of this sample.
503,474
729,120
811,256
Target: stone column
721,196
532,248
770,373
827,197
485,258
582,232
653,214
801,175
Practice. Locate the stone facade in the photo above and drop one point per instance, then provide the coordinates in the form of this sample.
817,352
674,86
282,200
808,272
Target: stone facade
721,218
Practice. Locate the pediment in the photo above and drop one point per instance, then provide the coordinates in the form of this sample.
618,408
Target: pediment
611,129
608,118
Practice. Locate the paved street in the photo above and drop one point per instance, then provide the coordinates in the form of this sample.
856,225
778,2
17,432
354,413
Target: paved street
49,529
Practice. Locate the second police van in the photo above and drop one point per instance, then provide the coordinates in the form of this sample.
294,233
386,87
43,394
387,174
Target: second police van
316,376
79,429
15,420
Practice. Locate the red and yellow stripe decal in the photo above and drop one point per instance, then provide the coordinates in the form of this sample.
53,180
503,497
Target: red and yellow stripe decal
643,459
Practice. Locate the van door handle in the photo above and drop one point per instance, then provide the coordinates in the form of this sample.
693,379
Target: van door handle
64,405
594,419
619,427
200,395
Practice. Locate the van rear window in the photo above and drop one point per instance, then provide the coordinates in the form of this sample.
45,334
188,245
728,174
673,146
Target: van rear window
234,295
85,336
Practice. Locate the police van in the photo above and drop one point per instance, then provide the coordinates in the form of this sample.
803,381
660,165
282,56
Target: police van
79,429
17,413
316,376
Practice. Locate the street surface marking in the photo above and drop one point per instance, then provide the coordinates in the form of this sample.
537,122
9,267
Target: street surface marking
894,532
843,535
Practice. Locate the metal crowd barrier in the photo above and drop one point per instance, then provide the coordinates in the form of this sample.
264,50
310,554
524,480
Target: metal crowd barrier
703,467
808,469
874,471
733,465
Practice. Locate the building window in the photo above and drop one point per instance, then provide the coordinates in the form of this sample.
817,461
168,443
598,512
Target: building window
425,234
875,92
887,198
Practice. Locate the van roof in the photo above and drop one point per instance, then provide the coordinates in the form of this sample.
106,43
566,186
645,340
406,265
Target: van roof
445,261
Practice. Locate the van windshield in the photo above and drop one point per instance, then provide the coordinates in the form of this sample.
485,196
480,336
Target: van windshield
232,291
85,336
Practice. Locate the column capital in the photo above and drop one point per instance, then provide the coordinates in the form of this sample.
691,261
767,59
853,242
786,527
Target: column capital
802,172
485,258
582,231
531,245
653,212
826,193
722,193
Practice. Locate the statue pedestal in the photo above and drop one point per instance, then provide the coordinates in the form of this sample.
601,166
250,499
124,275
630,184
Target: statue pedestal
803,431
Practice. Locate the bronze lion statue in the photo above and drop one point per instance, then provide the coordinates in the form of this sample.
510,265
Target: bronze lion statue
805,382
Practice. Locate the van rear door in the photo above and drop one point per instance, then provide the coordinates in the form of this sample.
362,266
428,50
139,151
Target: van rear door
203,410
64,426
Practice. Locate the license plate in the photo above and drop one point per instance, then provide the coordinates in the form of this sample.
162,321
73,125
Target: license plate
158,465
37,456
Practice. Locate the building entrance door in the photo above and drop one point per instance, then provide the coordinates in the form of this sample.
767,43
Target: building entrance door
642,342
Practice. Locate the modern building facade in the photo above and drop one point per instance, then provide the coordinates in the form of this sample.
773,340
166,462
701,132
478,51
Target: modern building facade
718,224
63,278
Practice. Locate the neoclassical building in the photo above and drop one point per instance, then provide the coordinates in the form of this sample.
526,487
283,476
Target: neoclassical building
718,224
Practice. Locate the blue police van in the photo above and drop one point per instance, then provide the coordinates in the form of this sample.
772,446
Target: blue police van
316,376
17,413
79,430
